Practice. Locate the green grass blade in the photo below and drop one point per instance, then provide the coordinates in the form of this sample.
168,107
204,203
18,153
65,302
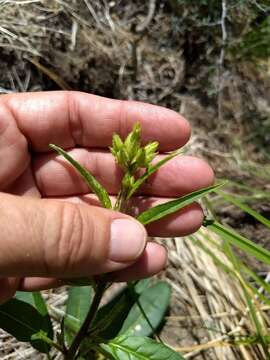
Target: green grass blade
231,272
160,211
245,208
259,295
212,255
259,280
151,170
240,241
93,184
250,300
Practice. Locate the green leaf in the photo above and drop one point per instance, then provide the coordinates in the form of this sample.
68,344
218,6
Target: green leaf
238,240
160,211
79,301
154,301
40,304
138,348
141,285
36,300
111,316
24,321
151,170
26,297
245,208
78,304
91,181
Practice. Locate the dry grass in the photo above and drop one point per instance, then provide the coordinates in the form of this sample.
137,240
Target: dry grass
82,40
211,319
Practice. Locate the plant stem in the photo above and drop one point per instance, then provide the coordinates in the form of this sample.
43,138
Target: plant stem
71,353
52,343
121,203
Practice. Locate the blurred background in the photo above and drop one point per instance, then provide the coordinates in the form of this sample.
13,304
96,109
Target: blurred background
208,60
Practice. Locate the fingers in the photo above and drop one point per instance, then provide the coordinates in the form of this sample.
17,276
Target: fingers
24,185
39,283
183,222
181,175
8,287
73,118
14,156
152,261
47,238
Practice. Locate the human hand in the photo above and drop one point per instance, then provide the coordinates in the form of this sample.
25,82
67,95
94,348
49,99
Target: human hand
51,227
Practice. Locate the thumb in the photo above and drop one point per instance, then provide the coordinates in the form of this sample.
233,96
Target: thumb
50,238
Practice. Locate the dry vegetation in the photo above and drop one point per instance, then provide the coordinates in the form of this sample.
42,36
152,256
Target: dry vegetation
187,58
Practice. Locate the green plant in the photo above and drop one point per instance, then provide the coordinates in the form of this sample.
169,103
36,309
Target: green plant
255,290
255,44
121,328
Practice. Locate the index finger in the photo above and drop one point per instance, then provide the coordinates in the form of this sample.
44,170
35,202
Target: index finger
74,118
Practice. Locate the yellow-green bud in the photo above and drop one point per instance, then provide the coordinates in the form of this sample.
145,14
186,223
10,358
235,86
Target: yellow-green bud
128,181
117,143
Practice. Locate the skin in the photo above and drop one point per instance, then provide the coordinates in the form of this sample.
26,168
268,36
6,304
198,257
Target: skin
51,226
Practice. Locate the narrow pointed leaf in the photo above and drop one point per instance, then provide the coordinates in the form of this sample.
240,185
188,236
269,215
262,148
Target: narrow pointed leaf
245,208
154,301
160,211
24,321
259,280
40,304
239,241
151,170
249,297
91,181
138,348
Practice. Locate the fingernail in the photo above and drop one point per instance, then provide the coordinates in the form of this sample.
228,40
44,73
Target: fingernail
128,239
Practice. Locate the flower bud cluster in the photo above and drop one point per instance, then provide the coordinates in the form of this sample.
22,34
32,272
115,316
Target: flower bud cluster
130,155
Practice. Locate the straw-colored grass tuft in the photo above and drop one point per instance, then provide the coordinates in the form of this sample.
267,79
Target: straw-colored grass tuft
210,319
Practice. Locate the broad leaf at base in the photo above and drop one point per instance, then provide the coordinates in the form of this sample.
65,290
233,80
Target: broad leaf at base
154,301
25,322
137,348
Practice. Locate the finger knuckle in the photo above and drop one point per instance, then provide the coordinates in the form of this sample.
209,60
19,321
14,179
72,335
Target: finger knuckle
70,243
